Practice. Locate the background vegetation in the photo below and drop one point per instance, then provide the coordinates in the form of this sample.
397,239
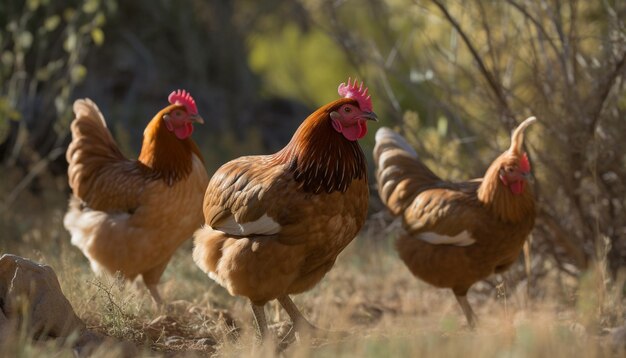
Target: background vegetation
454,76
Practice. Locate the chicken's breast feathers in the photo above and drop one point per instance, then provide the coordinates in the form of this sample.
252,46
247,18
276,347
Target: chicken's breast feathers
265,236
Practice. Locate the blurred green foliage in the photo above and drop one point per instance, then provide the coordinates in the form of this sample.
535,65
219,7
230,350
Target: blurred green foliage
258,68
43,44
453,76
471,70
306,66
34,68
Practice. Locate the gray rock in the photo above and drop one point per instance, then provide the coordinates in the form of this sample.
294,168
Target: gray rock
30,294
31,290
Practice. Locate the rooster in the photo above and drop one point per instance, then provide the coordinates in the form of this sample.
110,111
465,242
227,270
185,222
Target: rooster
276,223
456,233
129,216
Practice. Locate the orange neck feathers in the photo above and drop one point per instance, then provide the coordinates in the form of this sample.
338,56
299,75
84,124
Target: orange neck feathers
319,157
507,206
166,156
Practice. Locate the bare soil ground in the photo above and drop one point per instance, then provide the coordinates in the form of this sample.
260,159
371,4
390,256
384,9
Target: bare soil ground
369,296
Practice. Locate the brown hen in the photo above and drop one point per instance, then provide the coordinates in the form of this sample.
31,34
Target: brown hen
456,233
276,223
129,216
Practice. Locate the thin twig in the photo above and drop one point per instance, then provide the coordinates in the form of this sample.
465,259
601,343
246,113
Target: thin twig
608,82
537,24
493,83
37,169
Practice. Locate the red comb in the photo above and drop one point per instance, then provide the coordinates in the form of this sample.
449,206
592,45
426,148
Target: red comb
356,92
183,97
524,164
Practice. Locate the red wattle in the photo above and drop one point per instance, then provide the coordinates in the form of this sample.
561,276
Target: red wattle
355,132
363,126
184,131
517,187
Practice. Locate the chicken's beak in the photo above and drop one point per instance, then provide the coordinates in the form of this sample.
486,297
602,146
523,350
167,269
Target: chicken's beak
371,116
196,118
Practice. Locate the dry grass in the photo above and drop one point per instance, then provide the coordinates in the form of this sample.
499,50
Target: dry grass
369,294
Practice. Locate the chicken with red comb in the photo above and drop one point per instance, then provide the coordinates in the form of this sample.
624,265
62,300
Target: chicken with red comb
130,216
274,224
457,233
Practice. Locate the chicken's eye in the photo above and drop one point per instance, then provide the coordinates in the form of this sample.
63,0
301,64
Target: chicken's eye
178,113
347,109
510,169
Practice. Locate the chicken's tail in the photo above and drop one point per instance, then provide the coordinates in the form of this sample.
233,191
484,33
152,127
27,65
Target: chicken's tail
400,174
92,146
207,250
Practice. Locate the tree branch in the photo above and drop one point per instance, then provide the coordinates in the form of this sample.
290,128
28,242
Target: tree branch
37,169
491,80
608,82
537,24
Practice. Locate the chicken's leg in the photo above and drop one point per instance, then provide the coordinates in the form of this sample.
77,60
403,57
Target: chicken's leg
300,324
471,317
151,278
259,317
156,296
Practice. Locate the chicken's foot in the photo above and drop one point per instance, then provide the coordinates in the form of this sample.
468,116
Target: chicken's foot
301,326
299,322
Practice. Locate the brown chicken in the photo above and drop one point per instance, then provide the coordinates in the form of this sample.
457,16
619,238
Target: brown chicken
456,233
129,216
276,223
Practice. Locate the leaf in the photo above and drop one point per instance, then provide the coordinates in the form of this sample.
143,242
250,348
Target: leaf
7,58
25,39
42,74
90,6
85,29
68,14
7,111
100,19
55,66
14,114
442,126
45,73
97,35
78,73
52,22
33,4
12,26
70,42
111,5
